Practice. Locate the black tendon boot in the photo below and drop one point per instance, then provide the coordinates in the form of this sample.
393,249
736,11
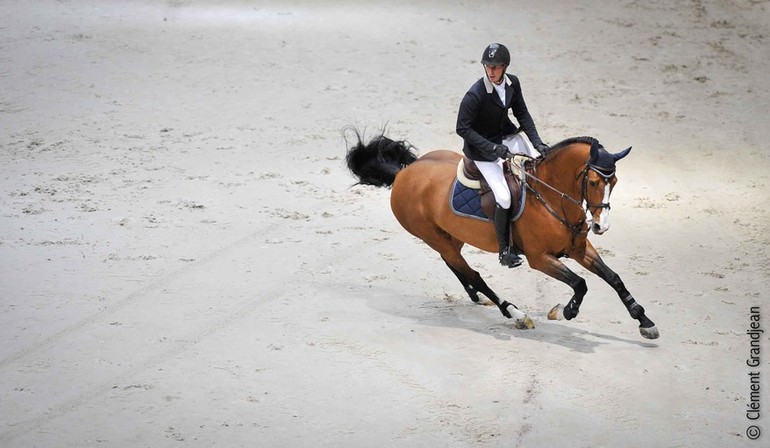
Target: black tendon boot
508,257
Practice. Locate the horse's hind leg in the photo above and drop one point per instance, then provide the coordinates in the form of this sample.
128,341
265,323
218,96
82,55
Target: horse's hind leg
473,283
469,288
594,263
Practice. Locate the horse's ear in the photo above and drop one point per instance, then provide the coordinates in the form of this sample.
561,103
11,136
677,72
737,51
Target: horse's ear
621,154
594,151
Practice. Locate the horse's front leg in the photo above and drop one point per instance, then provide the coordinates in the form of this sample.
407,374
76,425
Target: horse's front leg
550,265
594,263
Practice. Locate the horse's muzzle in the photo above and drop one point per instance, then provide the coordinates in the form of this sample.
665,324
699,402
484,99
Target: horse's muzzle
597,229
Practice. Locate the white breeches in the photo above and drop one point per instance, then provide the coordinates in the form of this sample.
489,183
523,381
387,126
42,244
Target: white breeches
520,144
493,171
493,174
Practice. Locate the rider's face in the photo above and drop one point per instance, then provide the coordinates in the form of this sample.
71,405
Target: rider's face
495,72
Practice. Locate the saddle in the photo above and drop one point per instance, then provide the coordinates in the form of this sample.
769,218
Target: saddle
470,188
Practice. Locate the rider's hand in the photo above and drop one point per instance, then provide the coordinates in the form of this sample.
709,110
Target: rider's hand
542,148
501,151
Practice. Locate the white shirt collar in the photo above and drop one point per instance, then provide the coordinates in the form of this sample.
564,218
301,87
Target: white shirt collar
491,87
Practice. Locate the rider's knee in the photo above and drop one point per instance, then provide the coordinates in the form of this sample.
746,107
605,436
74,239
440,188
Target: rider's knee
505,204
503,199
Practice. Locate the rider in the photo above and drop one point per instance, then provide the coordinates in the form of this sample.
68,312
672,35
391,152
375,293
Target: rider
489,135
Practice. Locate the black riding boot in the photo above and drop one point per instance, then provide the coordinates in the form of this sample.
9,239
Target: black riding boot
508,256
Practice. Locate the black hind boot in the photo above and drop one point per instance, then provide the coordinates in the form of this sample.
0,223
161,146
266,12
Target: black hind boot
508,256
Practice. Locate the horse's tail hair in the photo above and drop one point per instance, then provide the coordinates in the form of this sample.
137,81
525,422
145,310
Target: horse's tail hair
377,162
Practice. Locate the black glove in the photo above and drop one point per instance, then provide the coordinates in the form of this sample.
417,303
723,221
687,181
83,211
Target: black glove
500,151
542,148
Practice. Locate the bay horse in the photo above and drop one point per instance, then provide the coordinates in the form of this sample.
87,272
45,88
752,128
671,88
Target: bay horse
568,194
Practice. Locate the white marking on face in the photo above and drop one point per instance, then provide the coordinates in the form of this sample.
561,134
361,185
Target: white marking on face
604,216
589,215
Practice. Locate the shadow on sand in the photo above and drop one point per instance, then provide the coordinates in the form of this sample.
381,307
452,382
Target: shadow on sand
484,318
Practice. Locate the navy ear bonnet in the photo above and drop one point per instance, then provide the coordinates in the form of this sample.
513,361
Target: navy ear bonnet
602,161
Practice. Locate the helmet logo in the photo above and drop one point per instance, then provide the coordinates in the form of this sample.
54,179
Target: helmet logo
495,54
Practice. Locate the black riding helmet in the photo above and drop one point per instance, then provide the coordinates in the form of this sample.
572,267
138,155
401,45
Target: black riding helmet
496,54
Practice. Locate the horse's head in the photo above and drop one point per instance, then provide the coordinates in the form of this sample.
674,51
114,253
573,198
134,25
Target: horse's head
598,180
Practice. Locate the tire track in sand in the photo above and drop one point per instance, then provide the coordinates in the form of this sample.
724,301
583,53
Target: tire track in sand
132,297
454,417
55,411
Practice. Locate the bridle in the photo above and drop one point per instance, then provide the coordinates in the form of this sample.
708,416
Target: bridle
604,174
579,227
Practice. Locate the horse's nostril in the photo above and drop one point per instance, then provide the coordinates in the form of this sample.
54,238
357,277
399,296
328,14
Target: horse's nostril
597,228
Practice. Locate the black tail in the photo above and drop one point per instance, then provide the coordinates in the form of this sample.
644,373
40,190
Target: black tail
378,162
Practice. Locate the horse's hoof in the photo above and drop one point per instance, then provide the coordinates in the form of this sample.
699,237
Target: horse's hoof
524,324
650,333
520,320
556,313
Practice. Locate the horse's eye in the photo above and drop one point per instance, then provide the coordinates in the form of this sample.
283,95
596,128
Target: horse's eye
593,183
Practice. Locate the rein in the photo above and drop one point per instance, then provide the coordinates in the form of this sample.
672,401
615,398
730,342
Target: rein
579,227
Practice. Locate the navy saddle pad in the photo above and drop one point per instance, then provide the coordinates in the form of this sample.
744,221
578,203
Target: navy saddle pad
467,202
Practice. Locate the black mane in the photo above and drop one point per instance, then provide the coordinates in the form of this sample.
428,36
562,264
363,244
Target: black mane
564,143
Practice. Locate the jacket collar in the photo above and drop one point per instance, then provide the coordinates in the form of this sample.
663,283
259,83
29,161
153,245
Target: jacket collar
490,87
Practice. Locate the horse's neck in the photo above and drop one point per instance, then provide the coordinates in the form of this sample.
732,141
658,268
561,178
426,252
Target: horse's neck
561,171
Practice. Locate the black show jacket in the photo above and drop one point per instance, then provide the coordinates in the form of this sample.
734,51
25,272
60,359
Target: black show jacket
483,120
